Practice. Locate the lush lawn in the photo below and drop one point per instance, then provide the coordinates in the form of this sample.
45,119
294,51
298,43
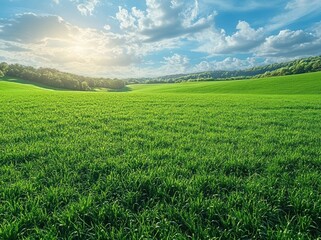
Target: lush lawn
151,165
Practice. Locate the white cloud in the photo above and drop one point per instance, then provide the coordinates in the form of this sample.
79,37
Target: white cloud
163,19
172,65
290,44
229,63
175,64
294,10
53,42
56,1
107,27
217,42
50,41
176,59
86,7
127,21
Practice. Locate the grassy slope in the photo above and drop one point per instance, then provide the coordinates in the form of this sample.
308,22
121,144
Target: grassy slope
295,84
12,85
163,166
17,85
309,83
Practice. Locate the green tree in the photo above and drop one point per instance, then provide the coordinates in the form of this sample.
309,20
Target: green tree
85,86
4,67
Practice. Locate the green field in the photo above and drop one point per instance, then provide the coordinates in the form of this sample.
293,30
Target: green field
299,84
208,160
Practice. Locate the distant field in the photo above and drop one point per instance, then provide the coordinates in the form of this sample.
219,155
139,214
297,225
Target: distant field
225,160
295,84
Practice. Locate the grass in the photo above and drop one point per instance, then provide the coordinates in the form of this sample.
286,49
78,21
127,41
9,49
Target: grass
161,163
295,84
8,84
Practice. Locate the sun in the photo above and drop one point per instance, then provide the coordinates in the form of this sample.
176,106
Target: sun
79,50
81,47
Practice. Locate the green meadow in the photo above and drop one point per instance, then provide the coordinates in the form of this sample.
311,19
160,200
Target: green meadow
206,160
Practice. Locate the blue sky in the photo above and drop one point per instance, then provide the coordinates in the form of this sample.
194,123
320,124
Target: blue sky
157,37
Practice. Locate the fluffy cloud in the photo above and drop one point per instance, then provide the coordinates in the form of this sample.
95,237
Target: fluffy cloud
53,42
289,44
285,45
107,27
50,41
127,21
175,64
163,19
229,63
86,7
243,40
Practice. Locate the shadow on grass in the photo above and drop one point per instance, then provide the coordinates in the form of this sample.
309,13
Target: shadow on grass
26,82
124,89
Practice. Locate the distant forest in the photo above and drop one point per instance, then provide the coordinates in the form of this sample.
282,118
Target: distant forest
311,64
57,79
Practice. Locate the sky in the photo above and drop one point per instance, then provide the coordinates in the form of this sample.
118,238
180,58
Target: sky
149,38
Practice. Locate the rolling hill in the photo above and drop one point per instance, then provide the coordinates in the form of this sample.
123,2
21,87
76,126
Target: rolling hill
309,83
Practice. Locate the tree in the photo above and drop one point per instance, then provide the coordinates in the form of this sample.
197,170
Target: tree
4,67
85,86
1,74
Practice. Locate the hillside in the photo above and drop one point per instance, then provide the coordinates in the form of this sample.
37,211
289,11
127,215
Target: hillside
62,80
57,79
304,65
14,85
309,83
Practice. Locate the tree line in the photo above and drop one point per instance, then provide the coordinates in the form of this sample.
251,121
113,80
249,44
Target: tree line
305,65
58,79
54,78
311,64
